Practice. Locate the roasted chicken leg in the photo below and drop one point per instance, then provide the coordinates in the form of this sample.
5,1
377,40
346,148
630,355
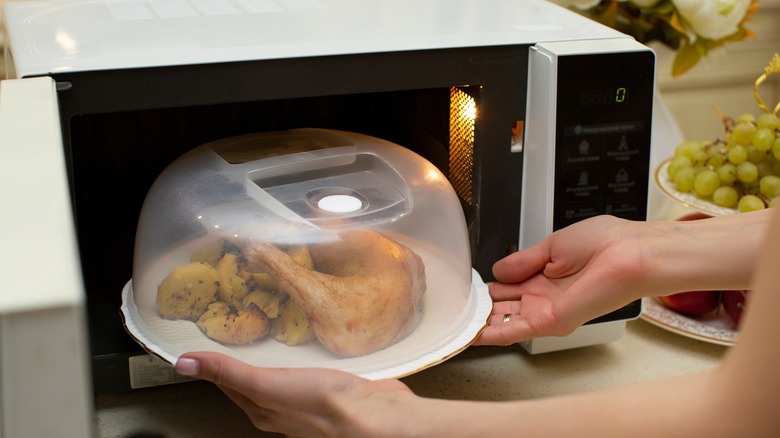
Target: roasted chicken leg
363,294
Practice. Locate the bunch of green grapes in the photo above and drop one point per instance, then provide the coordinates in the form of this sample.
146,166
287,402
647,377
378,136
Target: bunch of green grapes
742,171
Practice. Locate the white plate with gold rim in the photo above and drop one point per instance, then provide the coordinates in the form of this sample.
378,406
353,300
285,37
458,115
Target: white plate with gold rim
689,200
447,324
714,328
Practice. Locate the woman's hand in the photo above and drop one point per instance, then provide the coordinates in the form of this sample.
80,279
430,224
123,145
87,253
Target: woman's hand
574,275
307,402
600,264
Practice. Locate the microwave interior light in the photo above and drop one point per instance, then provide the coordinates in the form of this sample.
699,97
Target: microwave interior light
463,116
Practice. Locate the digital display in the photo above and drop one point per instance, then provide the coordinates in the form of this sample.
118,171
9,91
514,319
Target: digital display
604,96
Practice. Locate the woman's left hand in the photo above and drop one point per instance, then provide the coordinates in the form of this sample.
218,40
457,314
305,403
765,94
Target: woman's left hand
306,402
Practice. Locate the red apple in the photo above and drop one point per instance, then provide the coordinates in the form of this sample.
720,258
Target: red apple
693,216
733,304
694,303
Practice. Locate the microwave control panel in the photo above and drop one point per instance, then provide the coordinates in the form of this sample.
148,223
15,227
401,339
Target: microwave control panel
587,139
587,145
602,136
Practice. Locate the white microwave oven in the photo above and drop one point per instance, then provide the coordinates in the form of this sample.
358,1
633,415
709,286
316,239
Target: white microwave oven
102,95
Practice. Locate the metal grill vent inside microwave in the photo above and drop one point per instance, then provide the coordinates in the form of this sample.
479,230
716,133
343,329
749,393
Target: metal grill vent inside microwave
463,115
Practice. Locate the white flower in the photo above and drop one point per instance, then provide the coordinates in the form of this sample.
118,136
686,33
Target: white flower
713,19
582,5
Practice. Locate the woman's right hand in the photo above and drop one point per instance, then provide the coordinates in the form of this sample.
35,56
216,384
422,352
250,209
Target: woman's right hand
574,275
598,265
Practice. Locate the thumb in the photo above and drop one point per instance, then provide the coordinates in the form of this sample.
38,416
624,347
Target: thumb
519,266
214,367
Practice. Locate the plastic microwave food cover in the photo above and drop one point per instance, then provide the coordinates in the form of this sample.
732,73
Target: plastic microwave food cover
305,248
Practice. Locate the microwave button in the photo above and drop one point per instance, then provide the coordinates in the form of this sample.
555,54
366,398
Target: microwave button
623,181
580,151
580,185
623,147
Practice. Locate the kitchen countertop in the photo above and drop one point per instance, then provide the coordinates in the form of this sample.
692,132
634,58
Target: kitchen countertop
646,352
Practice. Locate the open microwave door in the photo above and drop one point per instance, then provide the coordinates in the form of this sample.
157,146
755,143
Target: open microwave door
45,387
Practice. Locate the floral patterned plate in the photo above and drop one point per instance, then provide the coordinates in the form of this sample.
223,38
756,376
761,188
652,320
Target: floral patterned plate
714,328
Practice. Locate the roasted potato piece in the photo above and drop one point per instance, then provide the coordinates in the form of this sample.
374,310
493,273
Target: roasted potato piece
243,273
292,327
232,288
187,291
265,281
210,253
267,301
223,323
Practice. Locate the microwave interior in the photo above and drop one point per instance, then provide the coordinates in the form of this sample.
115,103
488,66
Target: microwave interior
455,107
458,108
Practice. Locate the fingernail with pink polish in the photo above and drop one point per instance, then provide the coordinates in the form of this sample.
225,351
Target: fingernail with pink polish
187,366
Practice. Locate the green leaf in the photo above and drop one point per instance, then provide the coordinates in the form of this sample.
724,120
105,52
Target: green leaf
609,15
702,46
687,57
665,7
676,22
737,36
